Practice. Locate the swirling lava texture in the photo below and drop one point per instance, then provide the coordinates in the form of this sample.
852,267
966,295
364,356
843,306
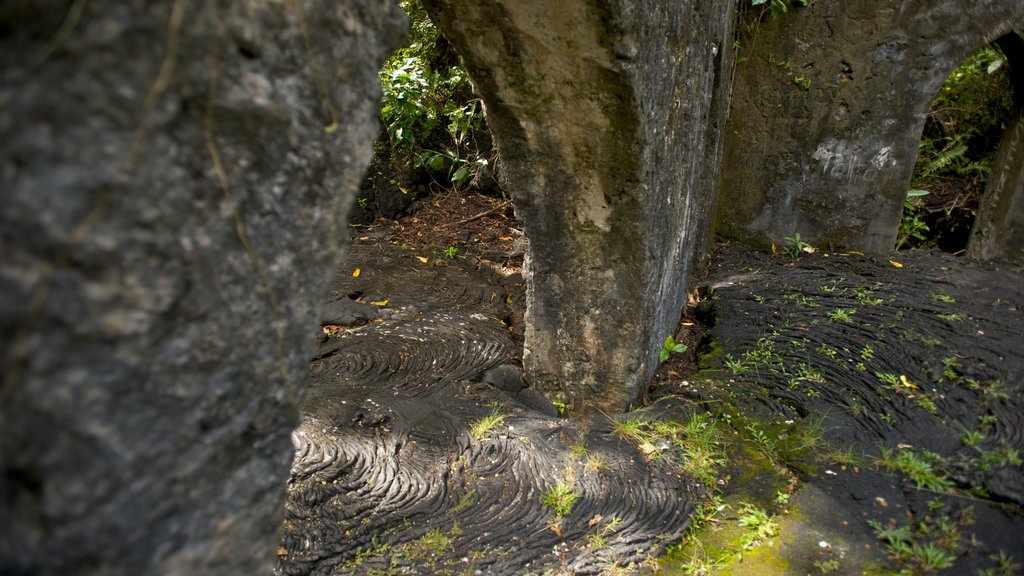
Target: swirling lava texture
913,352
389,479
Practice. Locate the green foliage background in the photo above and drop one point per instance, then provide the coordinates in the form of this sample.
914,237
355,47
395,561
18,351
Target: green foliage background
430,112
960,140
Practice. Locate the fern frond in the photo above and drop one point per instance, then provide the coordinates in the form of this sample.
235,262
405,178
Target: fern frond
945,158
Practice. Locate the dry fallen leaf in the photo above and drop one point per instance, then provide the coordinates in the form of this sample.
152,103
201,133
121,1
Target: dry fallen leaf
423,259
895,263
647,448
380,303
906,382
282,551
595,521
356,272
673,374
557,529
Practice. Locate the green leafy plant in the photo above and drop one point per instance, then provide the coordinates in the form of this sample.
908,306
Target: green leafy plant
429,111
797,246
450,252
761,525
668,347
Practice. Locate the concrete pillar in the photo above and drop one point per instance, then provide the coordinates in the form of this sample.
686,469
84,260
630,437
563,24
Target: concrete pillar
605,115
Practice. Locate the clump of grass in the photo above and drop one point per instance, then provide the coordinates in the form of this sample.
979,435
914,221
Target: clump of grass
487,424
560,498
841,315
921,468
433,543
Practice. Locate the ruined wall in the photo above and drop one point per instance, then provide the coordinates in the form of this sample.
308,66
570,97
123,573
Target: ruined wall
601,112
828,108
174,179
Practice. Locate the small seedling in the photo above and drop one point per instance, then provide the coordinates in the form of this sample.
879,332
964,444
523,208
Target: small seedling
798,246
841,315
668,347
450,252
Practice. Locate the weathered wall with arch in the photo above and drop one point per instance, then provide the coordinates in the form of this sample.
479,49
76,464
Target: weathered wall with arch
828,109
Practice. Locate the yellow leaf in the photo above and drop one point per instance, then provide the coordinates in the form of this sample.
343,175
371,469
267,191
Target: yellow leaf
423,259
854,252
356,272
774,250
380,303
647,448
332,128
895,263
906,382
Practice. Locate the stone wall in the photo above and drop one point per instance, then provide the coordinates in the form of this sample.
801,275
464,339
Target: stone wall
605,117
828,108
174,178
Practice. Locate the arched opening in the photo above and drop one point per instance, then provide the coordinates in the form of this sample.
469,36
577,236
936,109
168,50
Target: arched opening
959,143
432,185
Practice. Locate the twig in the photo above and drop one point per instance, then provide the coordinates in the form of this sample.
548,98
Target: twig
504,204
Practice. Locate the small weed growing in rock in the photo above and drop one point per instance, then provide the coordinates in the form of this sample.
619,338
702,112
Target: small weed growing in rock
921,468
487,424
668,347
560,498
762,526
1005,566
913,555
450,252
841,315
867,353
940,297
797,247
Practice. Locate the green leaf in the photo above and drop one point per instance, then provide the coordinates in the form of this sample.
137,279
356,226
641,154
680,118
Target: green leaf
460,174
679,348
662,355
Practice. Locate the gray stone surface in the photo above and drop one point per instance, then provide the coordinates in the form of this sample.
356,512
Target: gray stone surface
828,109
605,116
158,310
999,226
